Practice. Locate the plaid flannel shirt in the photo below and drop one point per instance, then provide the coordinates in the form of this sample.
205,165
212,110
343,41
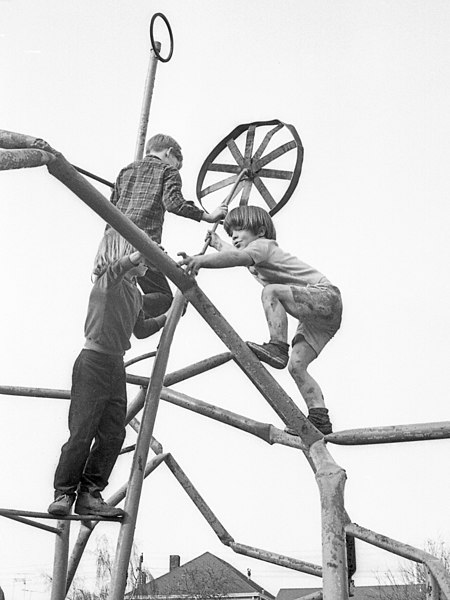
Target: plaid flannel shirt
145,189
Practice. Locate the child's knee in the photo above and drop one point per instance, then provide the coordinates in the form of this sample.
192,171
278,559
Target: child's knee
297,368
269,291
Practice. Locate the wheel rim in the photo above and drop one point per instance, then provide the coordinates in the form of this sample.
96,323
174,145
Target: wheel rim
253,146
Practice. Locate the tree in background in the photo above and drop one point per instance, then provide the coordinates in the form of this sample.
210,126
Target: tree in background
411,584
138,574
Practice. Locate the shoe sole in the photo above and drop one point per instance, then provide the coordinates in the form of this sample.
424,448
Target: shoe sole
276,363
58,513
83,512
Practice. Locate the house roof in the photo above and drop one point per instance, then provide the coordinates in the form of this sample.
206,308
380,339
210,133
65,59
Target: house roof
207,576
371,592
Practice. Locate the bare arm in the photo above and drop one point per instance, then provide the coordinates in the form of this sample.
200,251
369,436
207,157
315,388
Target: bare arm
221,260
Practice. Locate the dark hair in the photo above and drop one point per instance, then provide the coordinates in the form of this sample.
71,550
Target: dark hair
252,218
160,141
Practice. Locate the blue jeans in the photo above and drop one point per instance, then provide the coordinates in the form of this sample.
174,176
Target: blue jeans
97,414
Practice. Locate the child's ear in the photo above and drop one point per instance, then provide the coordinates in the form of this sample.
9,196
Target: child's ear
261,232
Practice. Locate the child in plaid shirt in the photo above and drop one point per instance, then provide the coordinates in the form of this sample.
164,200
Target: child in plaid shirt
144,191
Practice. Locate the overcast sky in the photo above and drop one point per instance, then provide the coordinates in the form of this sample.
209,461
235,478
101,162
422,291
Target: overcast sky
367,86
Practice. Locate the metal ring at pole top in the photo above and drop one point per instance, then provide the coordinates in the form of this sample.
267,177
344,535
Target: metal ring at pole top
152,39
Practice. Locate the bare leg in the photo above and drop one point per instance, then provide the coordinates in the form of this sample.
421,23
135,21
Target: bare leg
275,312
301,357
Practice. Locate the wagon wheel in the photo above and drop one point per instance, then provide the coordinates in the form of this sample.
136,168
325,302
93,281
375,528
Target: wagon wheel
274,141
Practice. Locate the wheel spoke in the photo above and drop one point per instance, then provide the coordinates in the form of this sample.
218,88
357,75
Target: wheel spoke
246,193
249,142
239,187
218,186
275,174
267,196
236,153
266,140
275,154
224,168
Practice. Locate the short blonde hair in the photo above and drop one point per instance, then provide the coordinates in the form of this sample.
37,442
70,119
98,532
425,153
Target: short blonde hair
112,247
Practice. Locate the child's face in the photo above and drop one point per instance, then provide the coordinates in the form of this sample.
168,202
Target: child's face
241,238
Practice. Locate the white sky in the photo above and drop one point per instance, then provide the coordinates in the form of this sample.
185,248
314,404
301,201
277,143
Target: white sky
367,86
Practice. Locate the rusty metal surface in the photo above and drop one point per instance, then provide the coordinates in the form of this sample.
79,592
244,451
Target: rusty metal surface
435,566
391,434
125,541
86,528
60,561
277,559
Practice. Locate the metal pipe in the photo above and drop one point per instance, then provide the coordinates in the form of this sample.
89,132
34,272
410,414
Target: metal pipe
175,377
435,566
137,359
6,512
87,527
24,159
125,541
432,586
60,561
330,479
277,559
32,523
264,431
14,390
199,502
226,202
146,102
391,434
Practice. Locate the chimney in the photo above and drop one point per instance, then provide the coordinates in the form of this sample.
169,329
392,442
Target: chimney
174,562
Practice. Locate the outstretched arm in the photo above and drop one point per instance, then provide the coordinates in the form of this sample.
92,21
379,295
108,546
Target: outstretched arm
221,260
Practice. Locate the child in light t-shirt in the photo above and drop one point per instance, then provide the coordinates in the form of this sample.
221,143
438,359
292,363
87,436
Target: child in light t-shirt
290,287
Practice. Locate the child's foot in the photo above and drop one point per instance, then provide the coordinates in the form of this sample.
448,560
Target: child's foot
62,504
320,419
275,354
93,504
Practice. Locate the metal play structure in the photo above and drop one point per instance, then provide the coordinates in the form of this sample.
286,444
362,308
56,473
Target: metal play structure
251,176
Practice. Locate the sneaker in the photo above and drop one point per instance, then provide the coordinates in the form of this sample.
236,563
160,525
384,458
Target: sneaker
93,504
275,354
320,419
62,505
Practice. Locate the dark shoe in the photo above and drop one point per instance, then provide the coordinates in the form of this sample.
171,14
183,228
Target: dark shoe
62,505
275,354
93,504
320,419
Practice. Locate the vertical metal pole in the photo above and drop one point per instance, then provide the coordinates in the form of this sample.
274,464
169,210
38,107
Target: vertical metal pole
432,587
125,541
145,111
330,479
60,561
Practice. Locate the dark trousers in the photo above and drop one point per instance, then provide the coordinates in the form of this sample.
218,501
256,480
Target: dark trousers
157,293
97,414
